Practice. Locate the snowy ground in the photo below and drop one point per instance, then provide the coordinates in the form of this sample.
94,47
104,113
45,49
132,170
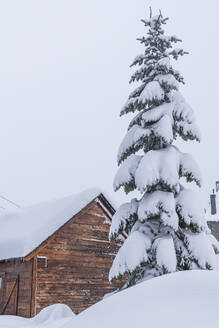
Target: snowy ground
56,316
183,299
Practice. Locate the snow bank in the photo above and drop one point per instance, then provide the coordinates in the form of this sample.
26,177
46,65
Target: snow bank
53,313
177,300
54,316
22,231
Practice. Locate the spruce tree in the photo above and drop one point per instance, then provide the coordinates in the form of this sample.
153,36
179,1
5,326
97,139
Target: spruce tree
166,228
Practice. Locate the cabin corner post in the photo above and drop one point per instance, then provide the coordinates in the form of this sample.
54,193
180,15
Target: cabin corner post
34,286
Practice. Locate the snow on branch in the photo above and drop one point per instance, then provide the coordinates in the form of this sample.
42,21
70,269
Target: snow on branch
138,60
152,92
143,96
190,210
184,119
165,253
201,250
123,219
126,173
143,71
169,38
187,131
155,21
132,142
155,136
132,103
214,242
164,62
189,169
163,132
137,119
177,52
167,81
159,169
158,203
154,115
151,116
131,255
181,110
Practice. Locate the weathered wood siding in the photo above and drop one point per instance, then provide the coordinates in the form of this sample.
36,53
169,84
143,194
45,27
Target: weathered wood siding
79,257
16,287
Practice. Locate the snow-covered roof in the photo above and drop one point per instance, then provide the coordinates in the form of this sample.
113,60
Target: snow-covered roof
21,231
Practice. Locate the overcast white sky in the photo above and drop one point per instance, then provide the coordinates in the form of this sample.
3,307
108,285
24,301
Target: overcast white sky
64,72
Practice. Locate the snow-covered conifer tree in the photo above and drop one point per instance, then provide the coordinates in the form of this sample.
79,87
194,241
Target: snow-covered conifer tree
166,227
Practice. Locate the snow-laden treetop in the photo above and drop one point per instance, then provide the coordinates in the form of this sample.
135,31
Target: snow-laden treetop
159,84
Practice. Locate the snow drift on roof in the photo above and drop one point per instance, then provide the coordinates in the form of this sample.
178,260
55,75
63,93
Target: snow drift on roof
22,231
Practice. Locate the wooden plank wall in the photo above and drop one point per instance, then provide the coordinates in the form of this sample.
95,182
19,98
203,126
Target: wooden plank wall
79,257
23,271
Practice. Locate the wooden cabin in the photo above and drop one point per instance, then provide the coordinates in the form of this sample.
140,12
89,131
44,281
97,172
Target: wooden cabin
56,252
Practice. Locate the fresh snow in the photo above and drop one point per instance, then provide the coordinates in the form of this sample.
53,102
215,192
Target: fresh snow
158,165
164,62
190,168
136,135
188,129
53,316
167,214
121,217
126,171
176,300
133,136
200,246
190,208
163,165
165,253
167,79
163,129
215,243
152,91
182,110
128,260
159,203
22,231
155,114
